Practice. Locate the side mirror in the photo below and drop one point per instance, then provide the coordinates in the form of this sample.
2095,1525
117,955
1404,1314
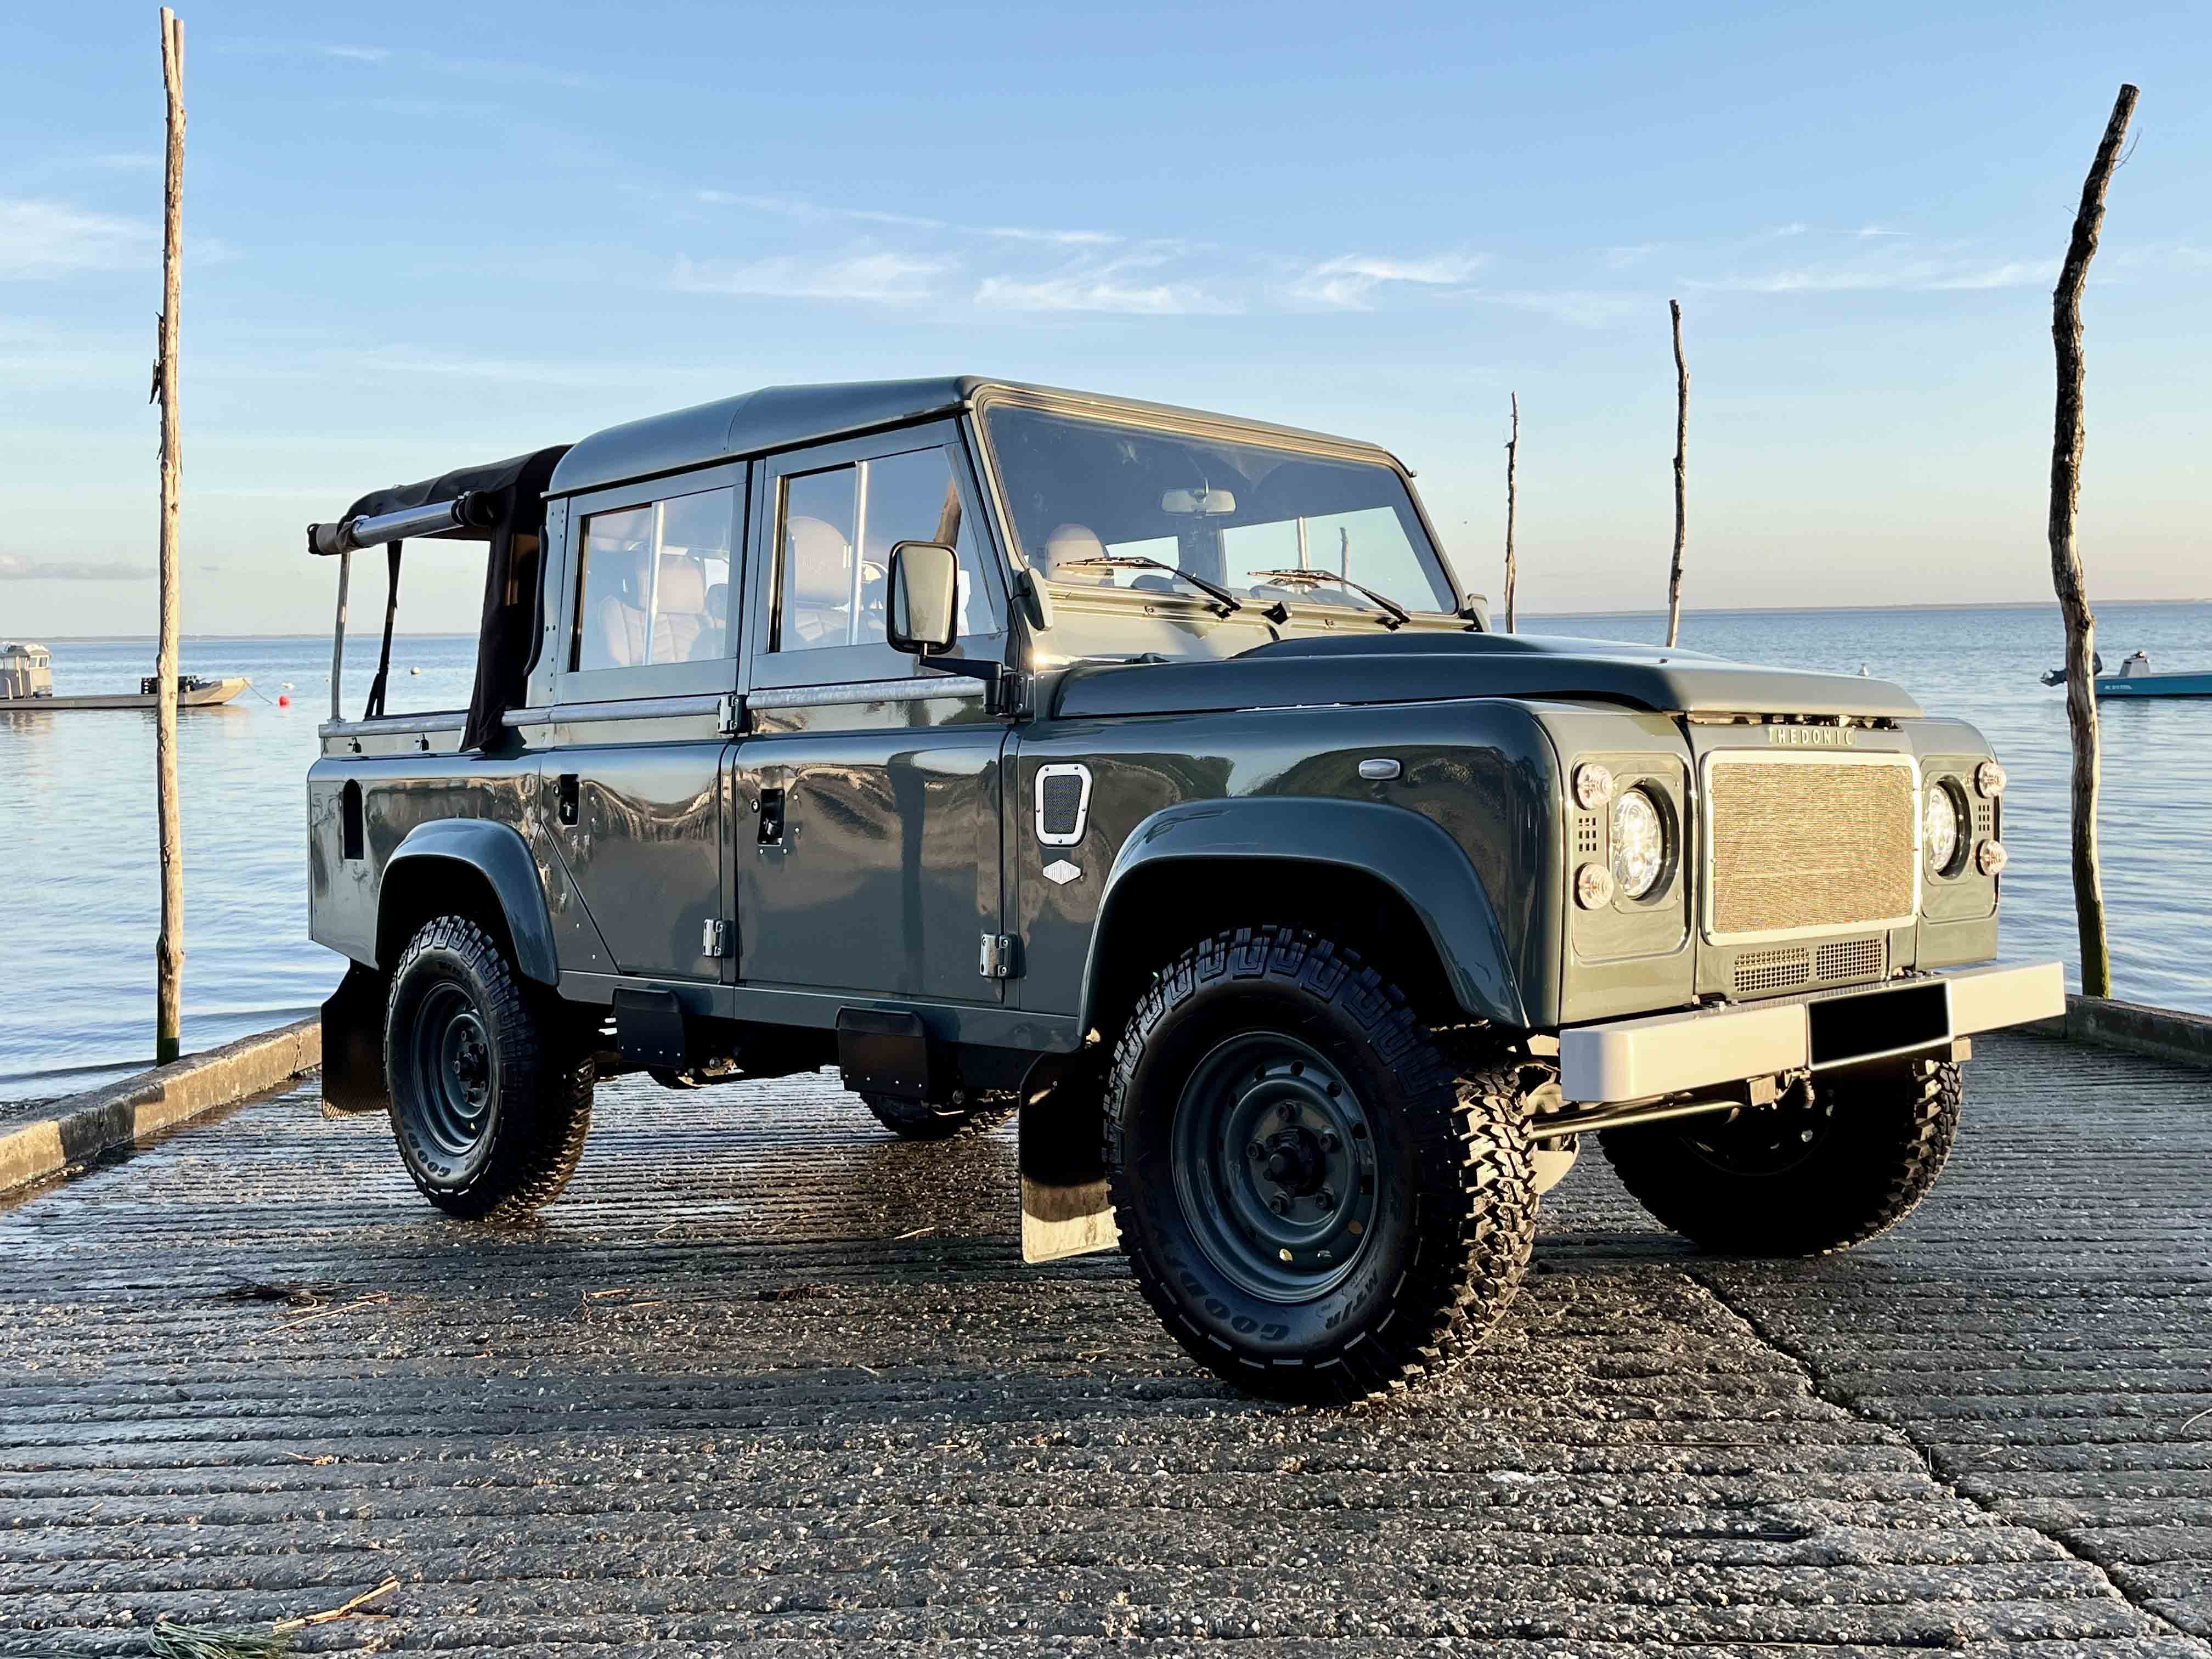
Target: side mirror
924,587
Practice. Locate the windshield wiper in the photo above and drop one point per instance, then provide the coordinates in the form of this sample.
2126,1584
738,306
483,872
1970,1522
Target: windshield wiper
1226,603
1395,615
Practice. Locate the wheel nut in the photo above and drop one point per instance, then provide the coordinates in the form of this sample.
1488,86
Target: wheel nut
1329,1143
1255,1149
1290,1113
1280,1204
1326,1198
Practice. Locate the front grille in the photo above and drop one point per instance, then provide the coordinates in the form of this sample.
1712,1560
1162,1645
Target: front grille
1859,958
1805,845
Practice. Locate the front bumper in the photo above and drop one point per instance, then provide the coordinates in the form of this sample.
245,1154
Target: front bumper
1662,1055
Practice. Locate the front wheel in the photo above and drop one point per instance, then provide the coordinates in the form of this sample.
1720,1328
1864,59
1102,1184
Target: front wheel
1822,1172
490,1108
1313,1203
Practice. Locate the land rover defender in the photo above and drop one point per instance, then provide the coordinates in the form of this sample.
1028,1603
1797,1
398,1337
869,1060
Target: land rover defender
1154,777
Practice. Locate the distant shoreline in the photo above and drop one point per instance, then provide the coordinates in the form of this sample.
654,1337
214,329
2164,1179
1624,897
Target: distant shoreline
1717,611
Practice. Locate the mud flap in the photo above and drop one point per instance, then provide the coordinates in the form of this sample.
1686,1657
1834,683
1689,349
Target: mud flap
1058,1222
353,1043
1065,1210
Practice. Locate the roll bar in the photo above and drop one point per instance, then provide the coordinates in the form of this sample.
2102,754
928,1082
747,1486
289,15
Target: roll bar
472,509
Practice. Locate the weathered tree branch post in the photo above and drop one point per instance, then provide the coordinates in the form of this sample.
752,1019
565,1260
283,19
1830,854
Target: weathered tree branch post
2066,444
1681,446
169,950
1512,455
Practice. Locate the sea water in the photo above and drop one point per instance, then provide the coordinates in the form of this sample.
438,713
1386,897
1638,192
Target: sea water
80,887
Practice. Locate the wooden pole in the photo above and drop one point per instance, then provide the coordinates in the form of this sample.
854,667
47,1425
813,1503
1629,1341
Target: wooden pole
169,950
1512,455
2066,445
1681,446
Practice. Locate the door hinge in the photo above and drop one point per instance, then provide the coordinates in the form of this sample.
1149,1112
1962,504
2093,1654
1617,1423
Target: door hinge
714,939
1001,958
734,710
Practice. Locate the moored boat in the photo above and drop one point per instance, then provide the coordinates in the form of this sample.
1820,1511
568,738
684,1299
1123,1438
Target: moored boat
2135,679
27,681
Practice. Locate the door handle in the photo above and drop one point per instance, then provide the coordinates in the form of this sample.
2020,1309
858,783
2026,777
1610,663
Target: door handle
771,817
567,788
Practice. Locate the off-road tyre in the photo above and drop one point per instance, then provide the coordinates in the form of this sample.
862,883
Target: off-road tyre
1449,1196
1879,1140
502,1157
920,1120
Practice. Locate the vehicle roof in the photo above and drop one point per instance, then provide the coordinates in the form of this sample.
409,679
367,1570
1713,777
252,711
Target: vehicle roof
780,417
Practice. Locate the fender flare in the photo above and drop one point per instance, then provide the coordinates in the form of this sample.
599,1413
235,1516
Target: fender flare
1411,855
497,853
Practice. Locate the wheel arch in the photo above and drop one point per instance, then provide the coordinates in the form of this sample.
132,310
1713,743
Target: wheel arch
1391,876
472,867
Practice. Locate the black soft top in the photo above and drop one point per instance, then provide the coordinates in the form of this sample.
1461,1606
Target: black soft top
523,477
511,518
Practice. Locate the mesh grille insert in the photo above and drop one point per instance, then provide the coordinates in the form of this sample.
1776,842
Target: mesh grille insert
1811,844
1859,959
1059,803
1772,970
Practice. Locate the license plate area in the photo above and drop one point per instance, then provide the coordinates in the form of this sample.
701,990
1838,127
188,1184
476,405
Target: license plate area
1877,1023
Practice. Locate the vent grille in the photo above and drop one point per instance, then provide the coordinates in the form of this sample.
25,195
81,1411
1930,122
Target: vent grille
1807,845
1586,837
1860,958
1063,803
1772,970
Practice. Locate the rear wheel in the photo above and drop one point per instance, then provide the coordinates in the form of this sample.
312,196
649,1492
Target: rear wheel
922,1119
490,1108
1819,1173
1313,1203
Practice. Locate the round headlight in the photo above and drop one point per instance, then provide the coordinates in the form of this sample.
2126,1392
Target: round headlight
1639,843
1943,825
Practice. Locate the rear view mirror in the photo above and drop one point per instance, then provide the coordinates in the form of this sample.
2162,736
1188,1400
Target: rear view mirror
925,598
1201,502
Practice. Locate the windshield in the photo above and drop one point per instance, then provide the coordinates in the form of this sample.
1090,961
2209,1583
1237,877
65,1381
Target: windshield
1265,523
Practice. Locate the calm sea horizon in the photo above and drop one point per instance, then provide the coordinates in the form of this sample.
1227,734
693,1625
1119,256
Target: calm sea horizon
80,909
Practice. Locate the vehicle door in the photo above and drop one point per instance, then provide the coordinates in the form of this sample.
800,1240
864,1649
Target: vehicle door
632,790
866,792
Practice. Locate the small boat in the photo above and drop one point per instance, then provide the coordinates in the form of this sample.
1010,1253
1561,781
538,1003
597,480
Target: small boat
27,681
2135,679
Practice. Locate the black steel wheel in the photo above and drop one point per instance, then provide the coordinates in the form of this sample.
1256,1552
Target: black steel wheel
1314,1202
922,1119
490,1108
1804,1177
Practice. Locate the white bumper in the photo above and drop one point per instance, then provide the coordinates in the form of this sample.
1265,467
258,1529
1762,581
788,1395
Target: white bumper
1672,1053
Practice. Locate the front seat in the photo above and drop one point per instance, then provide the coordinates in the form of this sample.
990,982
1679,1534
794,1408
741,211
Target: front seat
818,578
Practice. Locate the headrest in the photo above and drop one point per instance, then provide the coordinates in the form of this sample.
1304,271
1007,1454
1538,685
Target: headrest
818,563
1070,541
682,586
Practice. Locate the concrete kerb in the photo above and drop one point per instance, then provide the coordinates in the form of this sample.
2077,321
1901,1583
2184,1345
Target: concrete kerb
79,1129
2136,1027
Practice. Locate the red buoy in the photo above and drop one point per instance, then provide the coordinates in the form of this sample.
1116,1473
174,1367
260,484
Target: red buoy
283,703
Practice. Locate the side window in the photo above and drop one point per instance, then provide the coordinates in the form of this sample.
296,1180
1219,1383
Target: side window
827,596
656,583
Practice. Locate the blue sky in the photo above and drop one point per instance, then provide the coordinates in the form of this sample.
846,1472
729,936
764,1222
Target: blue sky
423,236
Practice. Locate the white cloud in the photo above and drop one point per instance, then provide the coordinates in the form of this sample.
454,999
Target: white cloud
1349,281
1582,307
796,208
51,239
1902,276
357,54
1108,285
877,278
14,567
